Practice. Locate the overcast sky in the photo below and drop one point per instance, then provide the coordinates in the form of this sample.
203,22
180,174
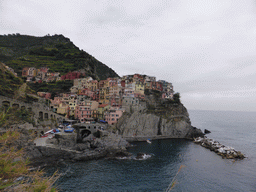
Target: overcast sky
206,48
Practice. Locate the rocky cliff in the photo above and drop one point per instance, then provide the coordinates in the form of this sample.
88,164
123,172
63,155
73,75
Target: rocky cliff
158,120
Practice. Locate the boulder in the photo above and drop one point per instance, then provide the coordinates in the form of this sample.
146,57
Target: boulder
206,131
82,146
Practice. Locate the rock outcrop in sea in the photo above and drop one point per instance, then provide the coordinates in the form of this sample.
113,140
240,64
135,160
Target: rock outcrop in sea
222,150
158,119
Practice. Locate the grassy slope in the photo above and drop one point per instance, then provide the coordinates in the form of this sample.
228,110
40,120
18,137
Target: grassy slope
8,82
55,52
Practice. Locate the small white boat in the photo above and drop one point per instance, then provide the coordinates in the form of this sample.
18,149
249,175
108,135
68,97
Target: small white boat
148,141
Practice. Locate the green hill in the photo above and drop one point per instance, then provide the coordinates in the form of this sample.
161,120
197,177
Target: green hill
9,84
55,52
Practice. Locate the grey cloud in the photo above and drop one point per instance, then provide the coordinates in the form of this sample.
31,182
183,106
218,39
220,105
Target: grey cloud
205,48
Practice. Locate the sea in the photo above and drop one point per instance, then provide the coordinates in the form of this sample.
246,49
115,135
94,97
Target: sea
177,163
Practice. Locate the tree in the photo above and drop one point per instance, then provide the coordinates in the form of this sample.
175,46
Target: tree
176,97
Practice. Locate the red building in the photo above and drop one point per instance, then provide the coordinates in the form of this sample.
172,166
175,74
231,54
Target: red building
157,86
72,75
123,83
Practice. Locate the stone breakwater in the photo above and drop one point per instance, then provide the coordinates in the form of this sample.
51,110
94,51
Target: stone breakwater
224,151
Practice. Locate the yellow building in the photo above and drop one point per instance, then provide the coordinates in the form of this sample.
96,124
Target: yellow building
102,109
72,105
62,109
104,92
139,88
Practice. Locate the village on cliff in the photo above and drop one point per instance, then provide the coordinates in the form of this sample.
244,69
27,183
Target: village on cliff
89,100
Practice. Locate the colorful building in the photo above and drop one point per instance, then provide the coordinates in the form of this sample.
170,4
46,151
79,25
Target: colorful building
25,71
72,75
32,72
139,87
86,110
113,115
62,109
101,110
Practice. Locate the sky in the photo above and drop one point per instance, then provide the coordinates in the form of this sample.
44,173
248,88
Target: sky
205,48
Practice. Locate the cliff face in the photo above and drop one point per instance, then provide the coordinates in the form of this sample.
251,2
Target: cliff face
171,121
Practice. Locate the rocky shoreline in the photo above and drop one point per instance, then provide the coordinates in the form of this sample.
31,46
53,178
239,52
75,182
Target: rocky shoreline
64,148
224,151
44,152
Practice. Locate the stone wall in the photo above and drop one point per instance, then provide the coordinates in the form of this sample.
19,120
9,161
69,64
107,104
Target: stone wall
40,111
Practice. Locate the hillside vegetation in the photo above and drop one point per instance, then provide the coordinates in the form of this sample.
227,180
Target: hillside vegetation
52,87
55,52
15,172
9,84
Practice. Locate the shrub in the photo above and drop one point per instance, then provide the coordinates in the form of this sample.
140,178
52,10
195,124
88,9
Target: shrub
13,165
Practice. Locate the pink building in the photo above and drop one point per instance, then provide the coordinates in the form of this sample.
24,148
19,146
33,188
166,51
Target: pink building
113,115
86,110
83,112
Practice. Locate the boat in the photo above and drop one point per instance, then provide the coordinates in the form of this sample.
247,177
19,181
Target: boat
148,141
69,129
51,133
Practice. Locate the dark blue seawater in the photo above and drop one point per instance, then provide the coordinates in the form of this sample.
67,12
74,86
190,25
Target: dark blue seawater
204,170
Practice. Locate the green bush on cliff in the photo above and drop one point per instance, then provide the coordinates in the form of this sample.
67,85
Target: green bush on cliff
14,170
8,82
12,115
